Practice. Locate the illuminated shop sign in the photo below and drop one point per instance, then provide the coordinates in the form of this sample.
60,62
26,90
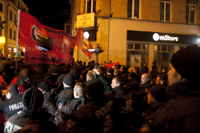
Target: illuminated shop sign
162,37
157,37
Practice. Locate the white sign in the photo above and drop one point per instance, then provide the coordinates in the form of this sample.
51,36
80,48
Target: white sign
157,37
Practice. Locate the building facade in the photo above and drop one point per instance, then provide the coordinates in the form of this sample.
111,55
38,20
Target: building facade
9,14
134,32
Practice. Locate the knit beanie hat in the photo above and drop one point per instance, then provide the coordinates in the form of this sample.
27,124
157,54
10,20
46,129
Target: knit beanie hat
94,88
60,78
158,92
187,62
32,99
74,72
44,86
69,79
13,89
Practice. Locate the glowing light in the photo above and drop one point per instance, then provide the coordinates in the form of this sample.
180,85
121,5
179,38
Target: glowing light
86,35
2,39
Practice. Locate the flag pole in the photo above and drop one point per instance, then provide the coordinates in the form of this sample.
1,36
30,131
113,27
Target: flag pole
17,41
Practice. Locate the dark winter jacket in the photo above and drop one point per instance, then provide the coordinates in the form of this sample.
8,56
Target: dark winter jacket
105,82
18,121
182,112
12,106
64,97
73,105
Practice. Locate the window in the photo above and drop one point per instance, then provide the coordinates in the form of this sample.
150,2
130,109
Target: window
10,15
14,37
10,33
190,11
15,18
1,32
165,10
90,6
133,9
18,4
12,1
1,7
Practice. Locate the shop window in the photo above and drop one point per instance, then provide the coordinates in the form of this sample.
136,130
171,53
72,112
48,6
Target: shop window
190,11
137,46
90,6
165,10
10,15
130,46
10,33
133,9
162,54
1,7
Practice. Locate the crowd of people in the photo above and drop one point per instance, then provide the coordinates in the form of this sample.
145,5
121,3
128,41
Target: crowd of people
94,98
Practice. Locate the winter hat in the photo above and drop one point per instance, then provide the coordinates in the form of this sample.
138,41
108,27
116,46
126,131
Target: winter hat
32,99
69,79
94,88
44,86
60,78
74,72
158,92
111,70
187,62
13,89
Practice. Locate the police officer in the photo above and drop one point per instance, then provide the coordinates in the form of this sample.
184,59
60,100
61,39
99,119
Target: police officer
13,104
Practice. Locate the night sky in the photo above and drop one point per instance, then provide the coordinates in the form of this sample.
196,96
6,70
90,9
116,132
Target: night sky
50,13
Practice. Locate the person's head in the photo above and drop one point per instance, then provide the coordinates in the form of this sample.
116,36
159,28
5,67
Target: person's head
84,63
116,72
184,65
136,69
44,87
163,79
164,70
68,80
157,93
104,63
23,77
123,69
32,99
79,90
116,81
110,71
144,78
89,75
110,61
145,64
100,70
94,89
12,90
130,69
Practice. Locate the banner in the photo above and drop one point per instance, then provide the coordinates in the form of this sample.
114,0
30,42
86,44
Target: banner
82,43
111,65
44,44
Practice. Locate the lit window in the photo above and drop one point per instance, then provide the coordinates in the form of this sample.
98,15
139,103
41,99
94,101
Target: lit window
165,10
90,6
190,11
133,9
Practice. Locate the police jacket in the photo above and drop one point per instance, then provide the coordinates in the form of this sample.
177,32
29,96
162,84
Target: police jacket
18,121
12,106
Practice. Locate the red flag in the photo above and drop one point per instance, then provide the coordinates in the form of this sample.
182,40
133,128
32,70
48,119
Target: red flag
44,44
82,43
111,65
